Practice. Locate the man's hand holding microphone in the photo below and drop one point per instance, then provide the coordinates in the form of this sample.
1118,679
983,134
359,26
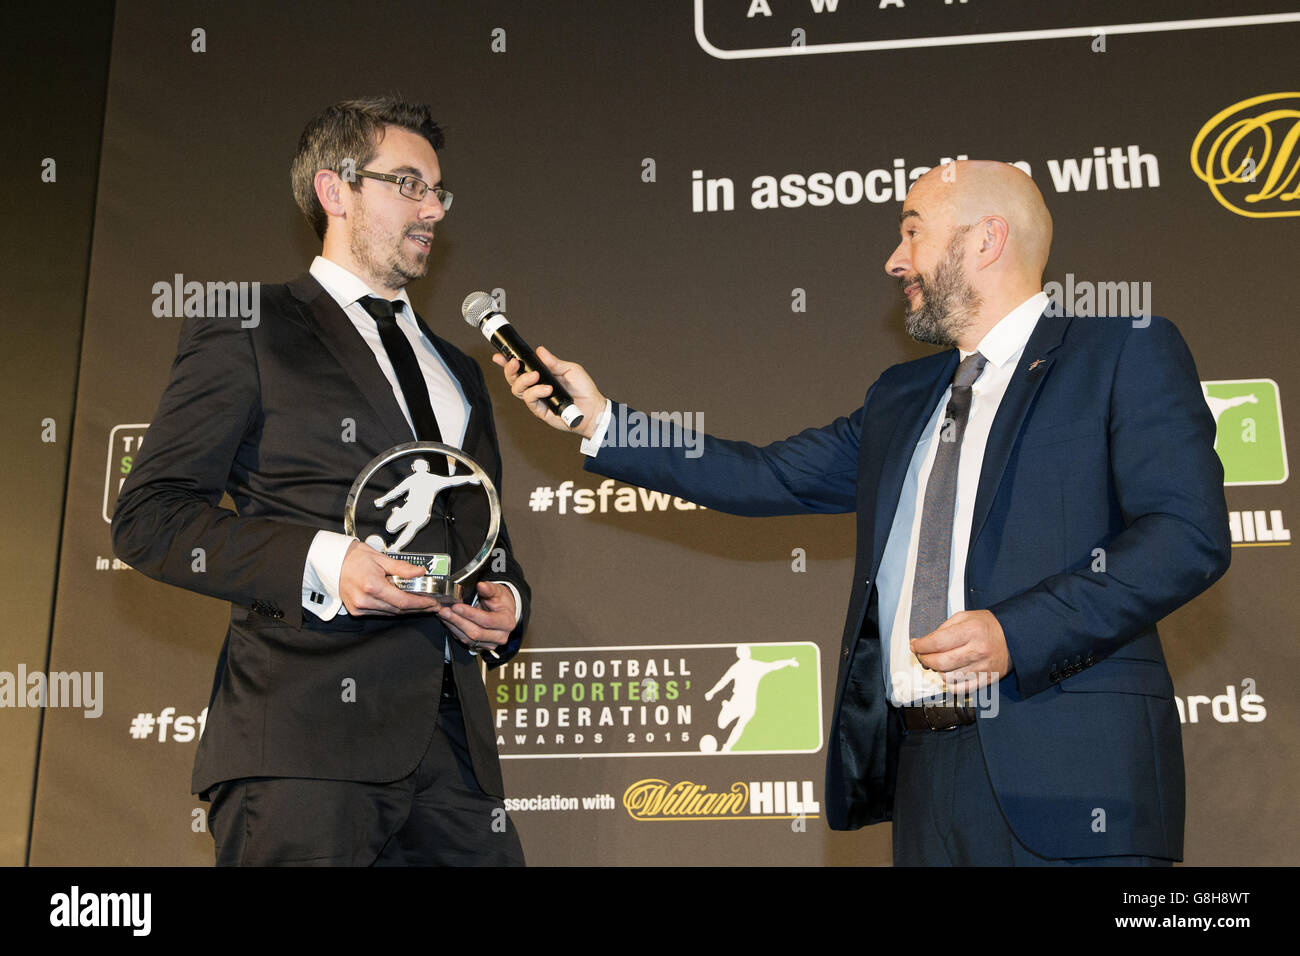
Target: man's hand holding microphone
560,393
572,376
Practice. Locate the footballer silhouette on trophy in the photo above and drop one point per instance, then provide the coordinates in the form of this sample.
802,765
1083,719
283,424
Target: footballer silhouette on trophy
421,487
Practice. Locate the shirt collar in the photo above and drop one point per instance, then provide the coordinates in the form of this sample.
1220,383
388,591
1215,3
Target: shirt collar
1007,339
346,287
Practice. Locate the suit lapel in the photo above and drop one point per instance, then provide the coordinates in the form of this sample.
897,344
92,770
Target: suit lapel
340,336
913,405
1035,362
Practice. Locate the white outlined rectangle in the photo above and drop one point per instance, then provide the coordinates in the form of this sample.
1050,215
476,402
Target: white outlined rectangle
673,648
1011,36
108,468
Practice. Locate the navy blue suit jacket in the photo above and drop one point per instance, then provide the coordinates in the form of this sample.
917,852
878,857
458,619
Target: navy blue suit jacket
1106,443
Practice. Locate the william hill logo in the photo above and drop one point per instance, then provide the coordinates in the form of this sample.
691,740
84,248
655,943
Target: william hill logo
1248,156
757,800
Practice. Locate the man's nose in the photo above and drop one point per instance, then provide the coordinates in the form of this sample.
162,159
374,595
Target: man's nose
431,207
898,264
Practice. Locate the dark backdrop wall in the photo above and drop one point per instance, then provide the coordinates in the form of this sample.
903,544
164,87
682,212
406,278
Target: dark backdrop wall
608,162
55,80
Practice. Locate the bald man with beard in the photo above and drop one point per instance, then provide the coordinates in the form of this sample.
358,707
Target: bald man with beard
1031,501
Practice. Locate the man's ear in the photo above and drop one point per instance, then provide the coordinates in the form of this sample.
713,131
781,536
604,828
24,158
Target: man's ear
330,192
992,231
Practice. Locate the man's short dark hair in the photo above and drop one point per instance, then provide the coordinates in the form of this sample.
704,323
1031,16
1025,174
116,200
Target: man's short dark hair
351,130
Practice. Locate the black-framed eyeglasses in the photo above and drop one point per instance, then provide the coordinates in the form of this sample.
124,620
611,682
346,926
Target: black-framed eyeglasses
410,186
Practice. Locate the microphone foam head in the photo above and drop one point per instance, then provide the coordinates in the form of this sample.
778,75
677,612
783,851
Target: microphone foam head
475,306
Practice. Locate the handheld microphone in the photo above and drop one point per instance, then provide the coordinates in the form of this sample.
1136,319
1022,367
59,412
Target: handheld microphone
481,312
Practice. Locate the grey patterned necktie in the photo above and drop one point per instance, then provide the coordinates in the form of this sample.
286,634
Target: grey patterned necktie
934,545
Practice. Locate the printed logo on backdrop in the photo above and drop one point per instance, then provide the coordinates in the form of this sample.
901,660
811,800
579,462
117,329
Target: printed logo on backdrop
684,800
666,700
123,445
745,29
1248,156
1237,704
1248,430
1252,447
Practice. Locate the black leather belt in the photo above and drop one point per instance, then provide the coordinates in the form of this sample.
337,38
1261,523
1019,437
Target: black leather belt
930,717
448,682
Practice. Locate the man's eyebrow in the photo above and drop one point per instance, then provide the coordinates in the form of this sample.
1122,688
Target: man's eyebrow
908,214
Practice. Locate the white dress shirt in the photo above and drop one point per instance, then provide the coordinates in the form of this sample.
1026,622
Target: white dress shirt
325,557
906,680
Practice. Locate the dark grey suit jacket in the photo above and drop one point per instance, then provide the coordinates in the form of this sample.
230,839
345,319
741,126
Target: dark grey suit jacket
262,413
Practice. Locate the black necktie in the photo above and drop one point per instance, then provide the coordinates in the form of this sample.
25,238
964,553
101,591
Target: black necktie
414,389
934,544
407,368
416,392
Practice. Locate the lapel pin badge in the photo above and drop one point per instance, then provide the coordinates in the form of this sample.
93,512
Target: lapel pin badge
1034,364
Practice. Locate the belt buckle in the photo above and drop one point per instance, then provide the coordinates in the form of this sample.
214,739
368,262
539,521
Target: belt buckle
926,710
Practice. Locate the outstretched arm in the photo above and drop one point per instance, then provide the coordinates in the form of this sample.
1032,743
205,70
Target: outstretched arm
723,681
815,471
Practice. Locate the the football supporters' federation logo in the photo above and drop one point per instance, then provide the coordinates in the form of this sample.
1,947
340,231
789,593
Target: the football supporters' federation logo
1249,437
1249,156
670,700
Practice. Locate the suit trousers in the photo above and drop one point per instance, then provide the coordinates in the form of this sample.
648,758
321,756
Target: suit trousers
946,813
436,816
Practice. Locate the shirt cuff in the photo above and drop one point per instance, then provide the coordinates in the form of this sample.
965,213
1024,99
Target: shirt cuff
590,446
320,576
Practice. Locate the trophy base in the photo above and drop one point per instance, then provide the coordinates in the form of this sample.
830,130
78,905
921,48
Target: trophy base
436,584
445,590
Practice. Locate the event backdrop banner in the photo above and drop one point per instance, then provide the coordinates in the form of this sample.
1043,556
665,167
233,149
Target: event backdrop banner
695,200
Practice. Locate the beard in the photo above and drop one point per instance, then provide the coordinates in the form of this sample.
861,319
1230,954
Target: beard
384,257
948,302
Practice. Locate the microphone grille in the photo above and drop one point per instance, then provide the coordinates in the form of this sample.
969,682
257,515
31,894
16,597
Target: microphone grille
475,306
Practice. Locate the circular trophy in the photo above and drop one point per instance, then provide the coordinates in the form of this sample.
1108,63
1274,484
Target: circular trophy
412,499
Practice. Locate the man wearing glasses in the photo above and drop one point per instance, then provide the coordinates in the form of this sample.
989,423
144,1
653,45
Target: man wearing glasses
348,723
